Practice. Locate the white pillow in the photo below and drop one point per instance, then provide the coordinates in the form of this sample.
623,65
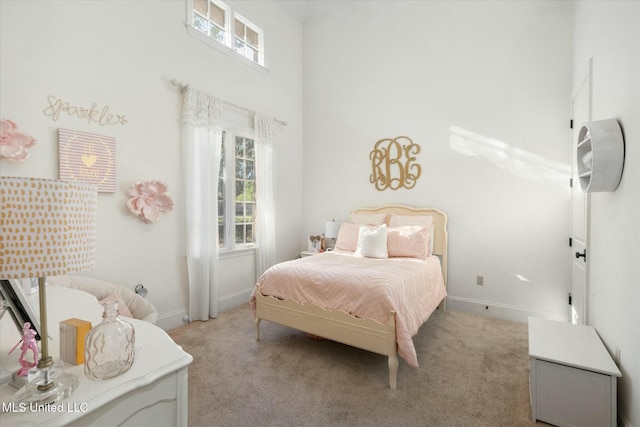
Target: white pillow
372,243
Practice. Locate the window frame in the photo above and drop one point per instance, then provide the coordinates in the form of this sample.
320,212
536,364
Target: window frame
229,180
228,47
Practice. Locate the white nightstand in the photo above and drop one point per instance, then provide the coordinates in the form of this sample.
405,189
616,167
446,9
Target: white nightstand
572,377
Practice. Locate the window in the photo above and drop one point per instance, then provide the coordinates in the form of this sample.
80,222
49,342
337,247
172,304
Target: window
222,24
236,191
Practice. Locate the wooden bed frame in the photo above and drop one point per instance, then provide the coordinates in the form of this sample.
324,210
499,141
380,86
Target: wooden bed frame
366,334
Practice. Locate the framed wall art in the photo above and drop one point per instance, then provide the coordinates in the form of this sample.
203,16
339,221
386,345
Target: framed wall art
88,157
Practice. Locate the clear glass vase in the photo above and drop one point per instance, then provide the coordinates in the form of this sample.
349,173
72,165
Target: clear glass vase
109,348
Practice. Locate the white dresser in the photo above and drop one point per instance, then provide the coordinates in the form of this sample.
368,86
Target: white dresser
153,392
572,377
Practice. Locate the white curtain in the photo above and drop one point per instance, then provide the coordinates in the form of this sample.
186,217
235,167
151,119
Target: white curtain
201,143
266,129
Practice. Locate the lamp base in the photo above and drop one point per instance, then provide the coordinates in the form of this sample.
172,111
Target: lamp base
46,386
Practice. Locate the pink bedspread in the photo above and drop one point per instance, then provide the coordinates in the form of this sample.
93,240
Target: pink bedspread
363,287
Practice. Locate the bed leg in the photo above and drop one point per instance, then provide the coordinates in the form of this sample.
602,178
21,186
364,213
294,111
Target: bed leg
393,371
257,321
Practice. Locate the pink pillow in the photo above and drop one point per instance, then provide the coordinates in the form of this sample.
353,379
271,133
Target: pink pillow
347,239
123,310
410,241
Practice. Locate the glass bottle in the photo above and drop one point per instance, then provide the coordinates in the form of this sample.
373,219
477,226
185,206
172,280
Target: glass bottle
109,348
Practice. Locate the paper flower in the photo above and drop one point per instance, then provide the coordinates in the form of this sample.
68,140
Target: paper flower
14,144
148,200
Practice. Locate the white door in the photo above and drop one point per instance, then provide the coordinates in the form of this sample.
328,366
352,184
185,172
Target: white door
580,201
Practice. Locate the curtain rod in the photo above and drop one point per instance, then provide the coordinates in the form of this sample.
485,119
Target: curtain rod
184,86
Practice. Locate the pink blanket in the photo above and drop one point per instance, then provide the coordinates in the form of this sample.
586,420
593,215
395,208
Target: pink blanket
363,287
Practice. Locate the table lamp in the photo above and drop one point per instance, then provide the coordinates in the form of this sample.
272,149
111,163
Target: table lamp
331,229
47,228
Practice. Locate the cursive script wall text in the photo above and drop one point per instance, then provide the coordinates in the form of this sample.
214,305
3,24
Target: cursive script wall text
93,114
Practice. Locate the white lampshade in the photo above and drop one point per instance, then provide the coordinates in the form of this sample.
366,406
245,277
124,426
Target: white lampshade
331,229
48,227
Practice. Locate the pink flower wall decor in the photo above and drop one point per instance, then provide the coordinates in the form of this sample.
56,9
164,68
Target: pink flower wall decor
148,200
14,143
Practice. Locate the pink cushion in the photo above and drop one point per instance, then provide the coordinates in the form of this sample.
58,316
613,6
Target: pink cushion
123,310
410,241
347,239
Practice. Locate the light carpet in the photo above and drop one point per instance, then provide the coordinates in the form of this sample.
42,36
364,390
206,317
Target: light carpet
473,372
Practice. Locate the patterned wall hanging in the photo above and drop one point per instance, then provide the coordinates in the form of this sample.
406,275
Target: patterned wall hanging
88,157
393,163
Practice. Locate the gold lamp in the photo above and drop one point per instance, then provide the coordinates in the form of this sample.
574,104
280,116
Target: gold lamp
47,228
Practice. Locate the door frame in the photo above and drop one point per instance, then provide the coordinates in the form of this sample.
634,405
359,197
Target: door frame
585,83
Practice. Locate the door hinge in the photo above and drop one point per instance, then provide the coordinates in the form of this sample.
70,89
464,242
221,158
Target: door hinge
570,182
570,242
571,124
570,299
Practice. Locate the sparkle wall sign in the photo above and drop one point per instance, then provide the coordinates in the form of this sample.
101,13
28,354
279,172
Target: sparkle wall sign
88,157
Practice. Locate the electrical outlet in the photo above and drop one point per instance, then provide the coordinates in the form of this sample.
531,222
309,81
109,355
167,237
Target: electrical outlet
480,280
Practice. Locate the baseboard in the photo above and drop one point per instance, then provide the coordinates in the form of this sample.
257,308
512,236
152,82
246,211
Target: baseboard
234,300
172,320
227,302
501,311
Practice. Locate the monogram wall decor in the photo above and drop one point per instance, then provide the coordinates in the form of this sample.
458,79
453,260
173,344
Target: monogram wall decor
88,158
393,163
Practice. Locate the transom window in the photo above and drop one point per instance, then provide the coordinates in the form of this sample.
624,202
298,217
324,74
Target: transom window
220,22
236,191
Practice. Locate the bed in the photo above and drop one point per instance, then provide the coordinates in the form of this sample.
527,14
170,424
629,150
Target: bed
383,302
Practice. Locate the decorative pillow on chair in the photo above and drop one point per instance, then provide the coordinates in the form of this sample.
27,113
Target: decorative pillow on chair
123,310
372,243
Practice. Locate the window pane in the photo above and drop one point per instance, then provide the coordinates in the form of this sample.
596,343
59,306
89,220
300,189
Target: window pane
239,146
199,23
239,169
249,234
249,148
200,6
251,53
239,46
250,191
240,213
249,170
221,236
216,14
240,233
239,190
239,29
253,37
249,208
216,33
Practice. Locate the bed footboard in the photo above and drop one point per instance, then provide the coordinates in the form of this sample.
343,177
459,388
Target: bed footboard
366,334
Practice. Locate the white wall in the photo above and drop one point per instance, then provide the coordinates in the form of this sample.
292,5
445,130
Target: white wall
609,32
123,54
483,88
